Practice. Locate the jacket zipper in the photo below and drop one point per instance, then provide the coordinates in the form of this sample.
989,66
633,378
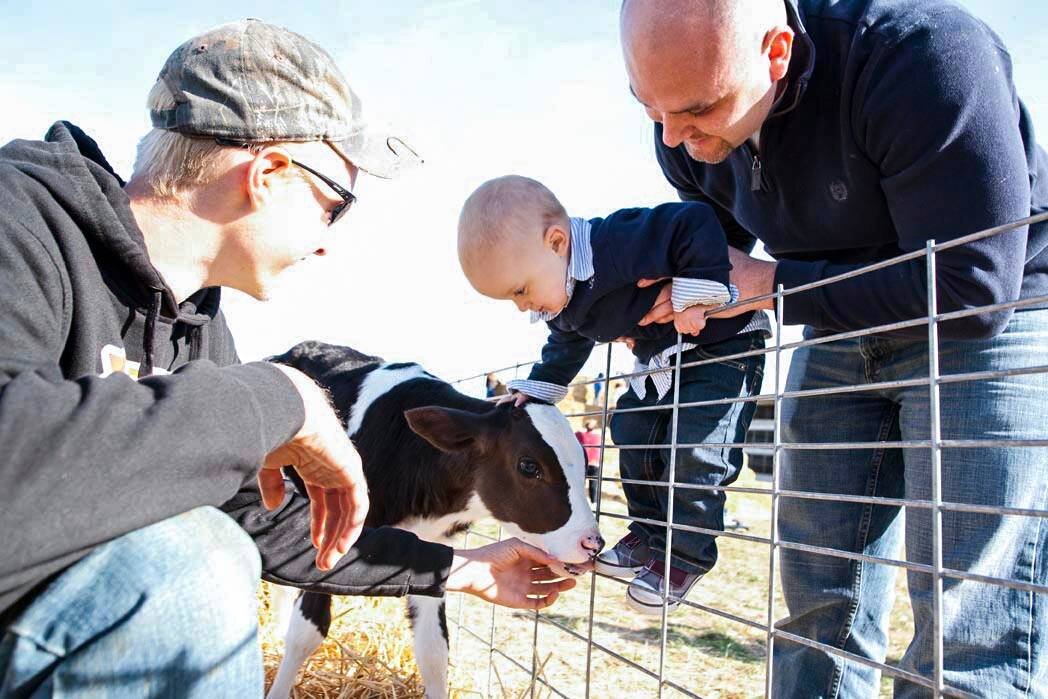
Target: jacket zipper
756,180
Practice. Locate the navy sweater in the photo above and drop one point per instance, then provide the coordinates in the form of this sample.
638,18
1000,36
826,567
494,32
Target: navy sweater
900,124
670,240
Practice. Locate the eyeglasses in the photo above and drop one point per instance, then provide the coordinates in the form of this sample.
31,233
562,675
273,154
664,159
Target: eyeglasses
347,196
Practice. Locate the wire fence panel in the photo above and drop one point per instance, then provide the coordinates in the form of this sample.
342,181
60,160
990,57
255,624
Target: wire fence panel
723,638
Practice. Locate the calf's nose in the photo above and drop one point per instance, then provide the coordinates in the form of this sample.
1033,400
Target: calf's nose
594,543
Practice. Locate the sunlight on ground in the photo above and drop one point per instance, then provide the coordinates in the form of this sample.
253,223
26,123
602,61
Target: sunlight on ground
369,652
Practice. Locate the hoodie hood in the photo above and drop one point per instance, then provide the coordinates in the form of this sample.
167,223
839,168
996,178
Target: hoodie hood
70,165
80,181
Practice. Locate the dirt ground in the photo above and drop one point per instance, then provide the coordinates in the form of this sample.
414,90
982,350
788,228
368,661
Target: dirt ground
368,653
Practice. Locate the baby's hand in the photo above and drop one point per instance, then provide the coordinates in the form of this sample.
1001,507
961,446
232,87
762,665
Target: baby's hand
691,320
516,397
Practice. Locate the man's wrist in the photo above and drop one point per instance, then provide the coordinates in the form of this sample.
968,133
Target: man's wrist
769,284
460,578
314,398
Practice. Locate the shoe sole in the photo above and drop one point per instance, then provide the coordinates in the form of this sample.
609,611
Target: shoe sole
616,571
649,609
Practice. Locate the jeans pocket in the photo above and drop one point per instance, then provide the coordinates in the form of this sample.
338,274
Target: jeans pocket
737,364
739,344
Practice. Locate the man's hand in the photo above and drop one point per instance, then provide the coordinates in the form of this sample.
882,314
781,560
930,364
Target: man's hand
691,320
662,310
510,573
751,276
518,399
329,466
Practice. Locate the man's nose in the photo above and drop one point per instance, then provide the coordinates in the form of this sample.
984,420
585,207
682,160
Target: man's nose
522,305
674,131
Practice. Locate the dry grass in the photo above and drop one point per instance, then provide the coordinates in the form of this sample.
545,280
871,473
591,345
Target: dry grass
368,652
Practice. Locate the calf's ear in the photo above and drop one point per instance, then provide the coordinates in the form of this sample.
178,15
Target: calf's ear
446,428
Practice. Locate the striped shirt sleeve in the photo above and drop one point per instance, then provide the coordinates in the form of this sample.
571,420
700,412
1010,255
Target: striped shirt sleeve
686,293
541,390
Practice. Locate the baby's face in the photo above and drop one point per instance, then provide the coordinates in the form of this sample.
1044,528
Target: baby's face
531,275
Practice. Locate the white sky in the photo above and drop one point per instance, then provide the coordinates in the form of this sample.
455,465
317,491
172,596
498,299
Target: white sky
481,88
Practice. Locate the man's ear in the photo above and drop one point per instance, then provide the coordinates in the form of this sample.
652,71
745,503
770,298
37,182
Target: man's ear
447,429
269,166
557,239
778,44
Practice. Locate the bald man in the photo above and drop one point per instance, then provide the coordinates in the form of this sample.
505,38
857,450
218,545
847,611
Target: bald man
841,134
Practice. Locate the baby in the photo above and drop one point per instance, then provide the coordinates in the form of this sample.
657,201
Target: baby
517,242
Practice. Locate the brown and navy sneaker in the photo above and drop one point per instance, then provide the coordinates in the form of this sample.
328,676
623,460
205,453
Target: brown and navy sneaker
625,559
644,594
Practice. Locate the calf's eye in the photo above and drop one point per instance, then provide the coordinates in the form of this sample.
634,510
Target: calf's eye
529,469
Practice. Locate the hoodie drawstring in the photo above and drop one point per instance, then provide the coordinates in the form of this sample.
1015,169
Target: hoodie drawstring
196,338
146,369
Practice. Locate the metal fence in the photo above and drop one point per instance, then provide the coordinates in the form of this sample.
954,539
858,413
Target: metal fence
935,443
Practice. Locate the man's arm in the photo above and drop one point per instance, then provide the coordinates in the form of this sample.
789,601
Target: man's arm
940,118
88,460
383,562
388,562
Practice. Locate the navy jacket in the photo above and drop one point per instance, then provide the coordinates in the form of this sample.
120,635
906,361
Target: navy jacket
670,240
900,124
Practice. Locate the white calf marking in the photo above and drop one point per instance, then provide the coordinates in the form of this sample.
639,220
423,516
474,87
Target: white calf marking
431,650
376,384
556,431
433,528
302,639
282,602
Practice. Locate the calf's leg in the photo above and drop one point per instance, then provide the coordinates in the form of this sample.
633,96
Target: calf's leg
310,621
430,627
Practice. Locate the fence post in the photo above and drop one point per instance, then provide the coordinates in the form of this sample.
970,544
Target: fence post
776,458
671,478
600,482
491,637
935,435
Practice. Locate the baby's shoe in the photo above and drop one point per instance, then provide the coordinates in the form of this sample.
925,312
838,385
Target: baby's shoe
625,559
644,594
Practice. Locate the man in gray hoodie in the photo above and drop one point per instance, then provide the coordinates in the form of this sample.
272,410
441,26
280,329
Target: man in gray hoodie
125,416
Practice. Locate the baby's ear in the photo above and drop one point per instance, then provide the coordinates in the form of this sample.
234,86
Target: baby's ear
557,239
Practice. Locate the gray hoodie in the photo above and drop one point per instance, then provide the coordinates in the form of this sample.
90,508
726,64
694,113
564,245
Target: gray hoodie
90,453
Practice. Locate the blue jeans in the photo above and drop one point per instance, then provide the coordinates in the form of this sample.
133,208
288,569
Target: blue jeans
165,611
704,465
994,638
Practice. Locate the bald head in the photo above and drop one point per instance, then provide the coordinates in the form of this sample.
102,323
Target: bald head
717,58
649,25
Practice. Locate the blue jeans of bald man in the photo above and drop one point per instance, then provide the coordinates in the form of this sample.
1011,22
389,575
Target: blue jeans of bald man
994,638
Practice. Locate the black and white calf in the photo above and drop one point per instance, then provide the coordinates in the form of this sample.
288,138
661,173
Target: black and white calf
436,461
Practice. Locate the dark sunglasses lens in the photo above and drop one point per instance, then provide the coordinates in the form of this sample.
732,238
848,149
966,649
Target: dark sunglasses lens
339,211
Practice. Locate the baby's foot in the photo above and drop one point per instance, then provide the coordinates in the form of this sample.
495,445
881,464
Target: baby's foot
625,559
644,594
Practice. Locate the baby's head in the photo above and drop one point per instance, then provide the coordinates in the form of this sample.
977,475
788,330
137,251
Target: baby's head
513,243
